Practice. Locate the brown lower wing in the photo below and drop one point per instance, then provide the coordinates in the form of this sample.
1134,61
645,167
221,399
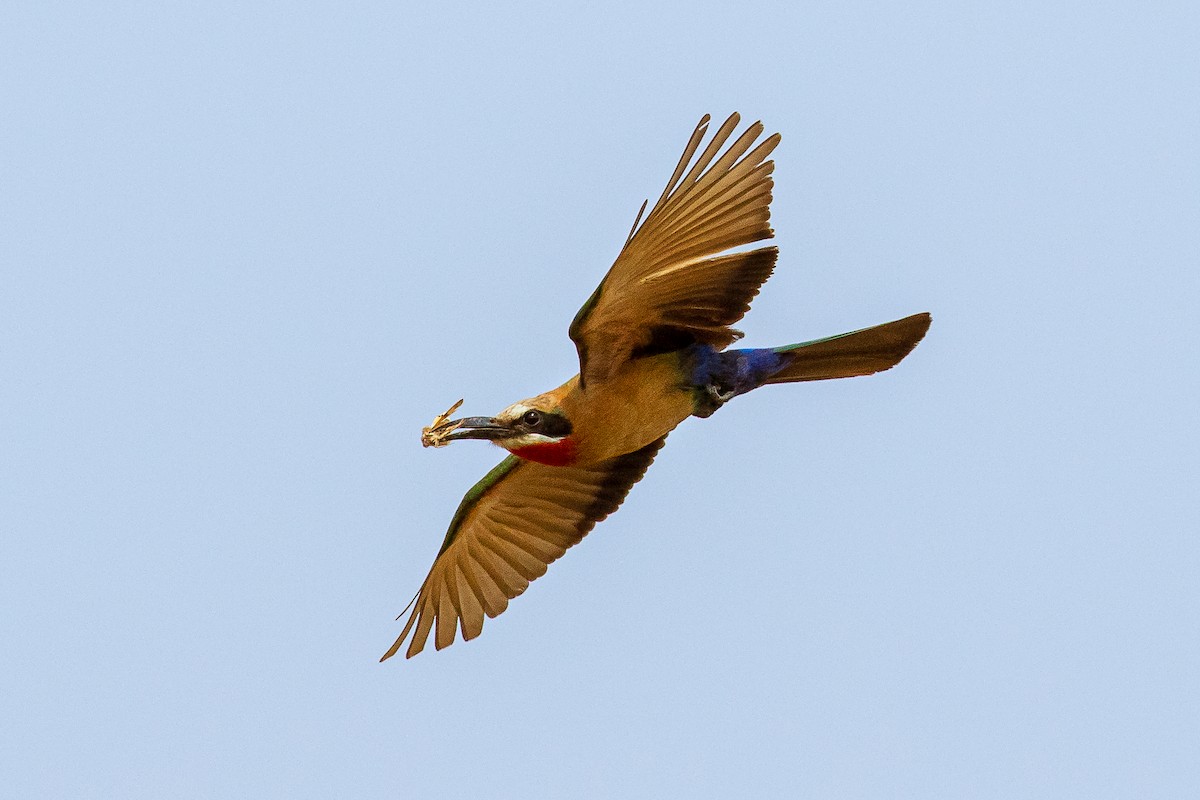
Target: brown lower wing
510,527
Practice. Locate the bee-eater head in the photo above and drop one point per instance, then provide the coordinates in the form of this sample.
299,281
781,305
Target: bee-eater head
534,429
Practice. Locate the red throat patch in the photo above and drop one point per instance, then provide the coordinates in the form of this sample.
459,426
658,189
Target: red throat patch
554,454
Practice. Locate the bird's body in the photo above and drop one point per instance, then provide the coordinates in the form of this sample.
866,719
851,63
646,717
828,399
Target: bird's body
652,351
640,404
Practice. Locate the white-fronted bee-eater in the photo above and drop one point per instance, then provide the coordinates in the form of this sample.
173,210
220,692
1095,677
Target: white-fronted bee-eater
652,343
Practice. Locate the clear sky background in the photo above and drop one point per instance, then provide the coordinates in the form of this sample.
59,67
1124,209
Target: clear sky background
248,250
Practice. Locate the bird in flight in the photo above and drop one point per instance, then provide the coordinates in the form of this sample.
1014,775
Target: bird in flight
652,345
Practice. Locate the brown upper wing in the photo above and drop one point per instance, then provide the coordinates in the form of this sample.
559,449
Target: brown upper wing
670,286
509,527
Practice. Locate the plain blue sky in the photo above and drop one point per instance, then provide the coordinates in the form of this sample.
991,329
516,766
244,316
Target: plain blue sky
248,250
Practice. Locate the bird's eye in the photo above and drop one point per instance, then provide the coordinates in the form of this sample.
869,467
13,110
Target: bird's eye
532,418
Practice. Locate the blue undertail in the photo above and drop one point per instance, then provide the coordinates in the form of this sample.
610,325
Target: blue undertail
729,373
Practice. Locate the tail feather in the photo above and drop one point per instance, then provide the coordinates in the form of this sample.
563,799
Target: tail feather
851,354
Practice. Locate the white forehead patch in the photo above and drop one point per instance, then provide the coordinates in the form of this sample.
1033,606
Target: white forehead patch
513,412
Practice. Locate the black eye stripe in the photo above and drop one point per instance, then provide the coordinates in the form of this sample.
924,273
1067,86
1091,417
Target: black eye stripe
548,423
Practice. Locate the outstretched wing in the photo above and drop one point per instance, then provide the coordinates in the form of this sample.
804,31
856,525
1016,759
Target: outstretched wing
509,527
670,286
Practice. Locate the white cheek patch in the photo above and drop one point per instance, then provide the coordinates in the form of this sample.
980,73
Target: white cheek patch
529,439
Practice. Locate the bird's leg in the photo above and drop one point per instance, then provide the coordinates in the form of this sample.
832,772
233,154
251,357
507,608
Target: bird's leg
720,392
713,394
713,378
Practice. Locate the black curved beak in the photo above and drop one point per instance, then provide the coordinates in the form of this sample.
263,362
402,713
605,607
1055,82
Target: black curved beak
486,428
